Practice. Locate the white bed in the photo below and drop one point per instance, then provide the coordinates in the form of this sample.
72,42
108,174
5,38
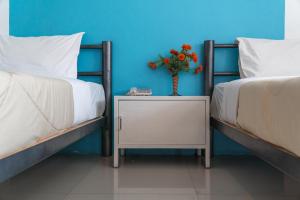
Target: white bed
262,114
264,107
43,107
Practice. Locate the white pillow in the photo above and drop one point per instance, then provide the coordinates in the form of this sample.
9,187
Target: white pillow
265,58
54,56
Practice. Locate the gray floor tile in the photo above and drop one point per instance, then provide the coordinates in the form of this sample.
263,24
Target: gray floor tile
137,175
242,175
33,197
56,175
246,197
132,197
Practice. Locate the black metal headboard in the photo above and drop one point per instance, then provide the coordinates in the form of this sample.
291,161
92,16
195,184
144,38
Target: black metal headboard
106,75
209,64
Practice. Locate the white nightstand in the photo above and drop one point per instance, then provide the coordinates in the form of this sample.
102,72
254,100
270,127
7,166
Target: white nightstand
180,122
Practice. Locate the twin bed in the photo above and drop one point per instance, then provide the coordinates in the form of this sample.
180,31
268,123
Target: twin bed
259,112
41,115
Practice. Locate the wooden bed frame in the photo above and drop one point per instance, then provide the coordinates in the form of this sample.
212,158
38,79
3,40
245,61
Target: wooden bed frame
279,158
26,158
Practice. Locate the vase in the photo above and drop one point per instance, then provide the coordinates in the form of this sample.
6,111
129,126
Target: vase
175,85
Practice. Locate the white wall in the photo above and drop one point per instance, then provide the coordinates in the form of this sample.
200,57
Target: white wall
292,18
4,17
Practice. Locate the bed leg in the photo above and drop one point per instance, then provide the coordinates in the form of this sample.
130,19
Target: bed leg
207,158
116,158
106,142
208,149
212,137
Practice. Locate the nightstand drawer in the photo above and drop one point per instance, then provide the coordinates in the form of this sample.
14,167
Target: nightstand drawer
159,122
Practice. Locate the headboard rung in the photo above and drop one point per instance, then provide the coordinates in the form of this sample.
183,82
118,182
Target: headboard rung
226,46
91,46
226,74
90,73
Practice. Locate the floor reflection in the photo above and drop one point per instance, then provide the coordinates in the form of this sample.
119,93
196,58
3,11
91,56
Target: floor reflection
147,177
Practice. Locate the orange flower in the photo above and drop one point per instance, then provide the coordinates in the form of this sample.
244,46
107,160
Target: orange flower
152,65
166,61
181,57
186,47
194,57
174,52
199,69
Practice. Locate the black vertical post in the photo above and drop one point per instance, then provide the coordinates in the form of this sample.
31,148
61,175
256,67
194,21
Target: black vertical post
209,62
107,83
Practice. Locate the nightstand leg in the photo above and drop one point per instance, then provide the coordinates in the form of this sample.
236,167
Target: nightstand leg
207,158
116,158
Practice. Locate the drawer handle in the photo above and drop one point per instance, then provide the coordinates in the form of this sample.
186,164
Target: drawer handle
120,123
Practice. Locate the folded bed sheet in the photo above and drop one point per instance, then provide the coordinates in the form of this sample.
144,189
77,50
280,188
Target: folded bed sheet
32,107
265,107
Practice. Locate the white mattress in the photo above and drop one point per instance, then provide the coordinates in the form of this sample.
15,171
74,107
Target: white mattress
225,100
89,100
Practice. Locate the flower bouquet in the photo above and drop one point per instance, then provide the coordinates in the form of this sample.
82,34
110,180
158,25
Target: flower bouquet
178,61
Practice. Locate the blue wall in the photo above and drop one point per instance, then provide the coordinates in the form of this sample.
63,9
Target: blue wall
140,29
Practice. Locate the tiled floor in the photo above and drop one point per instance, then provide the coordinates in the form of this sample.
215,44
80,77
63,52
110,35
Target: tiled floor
150,178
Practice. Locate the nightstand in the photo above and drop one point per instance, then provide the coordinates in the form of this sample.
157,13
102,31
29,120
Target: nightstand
179,122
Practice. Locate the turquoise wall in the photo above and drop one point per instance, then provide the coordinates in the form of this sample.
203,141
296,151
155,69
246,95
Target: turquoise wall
140,29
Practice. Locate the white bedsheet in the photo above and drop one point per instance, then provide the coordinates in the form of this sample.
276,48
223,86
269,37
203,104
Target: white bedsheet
225,98
89,100
224,104
53,105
